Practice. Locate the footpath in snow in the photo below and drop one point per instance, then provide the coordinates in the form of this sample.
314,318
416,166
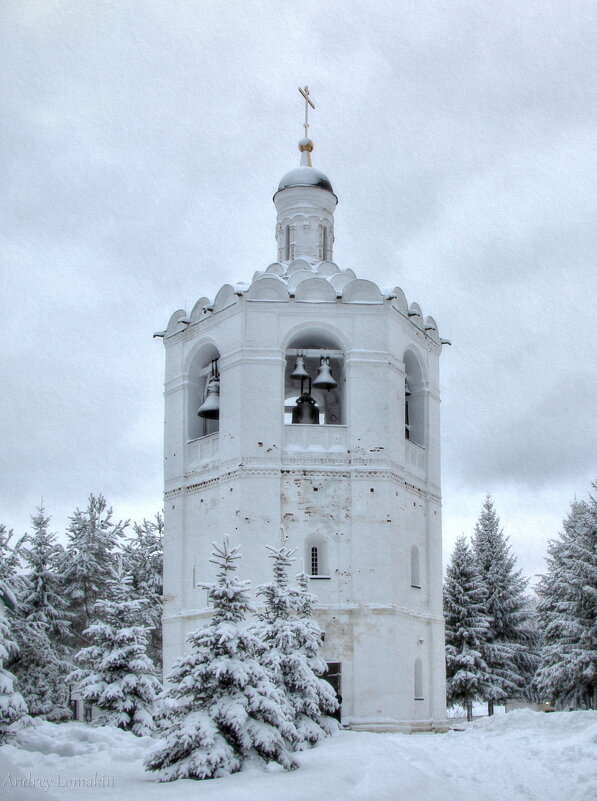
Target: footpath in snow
522,756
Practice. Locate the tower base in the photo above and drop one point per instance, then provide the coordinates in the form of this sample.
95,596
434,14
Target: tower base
389,725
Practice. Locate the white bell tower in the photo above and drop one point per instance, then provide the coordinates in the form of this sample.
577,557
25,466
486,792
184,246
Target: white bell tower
319,395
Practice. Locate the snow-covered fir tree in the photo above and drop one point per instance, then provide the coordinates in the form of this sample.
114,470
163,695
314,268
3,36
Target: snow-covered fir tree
293,641
12,705
90,560
41,626
567,613
304,602
509,650
115,674
143,561
467,673
42,556
310,644
222,707
10,555
40,681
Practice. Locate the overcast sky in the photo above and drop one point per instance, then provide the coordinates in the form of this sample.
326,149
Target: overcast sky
142,143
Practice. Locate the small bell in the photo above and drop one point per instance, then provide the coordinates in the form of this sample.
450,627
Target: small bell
407,391
306,410
299,371
324,379
210,408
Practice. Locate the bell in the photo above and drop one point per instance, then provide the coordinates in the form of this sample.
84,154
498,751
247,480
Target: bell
306,410
407,391
299,371
324,379
210,408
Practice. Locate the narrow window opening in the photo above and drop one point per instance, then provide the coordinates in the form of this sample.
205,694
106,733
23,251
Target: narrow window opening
314,561
315,557
406,414
324,248
287,243
415,568
419,680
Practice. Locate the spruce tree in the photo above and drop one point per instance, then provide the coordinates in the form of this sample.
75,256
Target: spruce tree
293,641
115,675
142,556
510,643
222,707
567,613
12,705
42,600
10,556
90,561
41,626
467,673
310,643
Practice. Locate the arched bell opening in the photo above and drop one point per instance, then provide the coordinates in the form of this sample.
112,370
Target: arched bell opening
314,380
414,400
203,393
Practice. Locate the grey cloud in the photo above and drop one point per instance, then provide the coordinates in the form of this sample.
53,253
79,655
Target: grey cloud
141,154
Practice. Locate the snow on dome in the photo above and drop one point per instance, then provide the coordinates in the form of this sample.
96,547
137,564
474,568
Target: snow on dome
305,176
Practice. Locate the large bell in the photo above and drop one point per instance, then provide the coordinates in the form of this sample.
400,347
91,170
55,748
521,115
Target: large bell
210,408
324,379
299,371
306,410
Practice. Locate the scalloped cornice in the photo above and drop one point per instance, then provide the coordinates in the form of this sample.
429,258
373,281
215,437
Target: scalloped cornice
305,281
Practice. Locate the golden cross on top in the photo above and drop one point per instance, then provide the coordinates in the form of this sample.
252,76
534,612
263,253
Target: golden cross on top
308,102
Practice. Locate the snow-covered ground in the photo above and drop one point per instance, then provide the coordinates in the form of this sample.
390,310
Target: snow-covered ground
522,756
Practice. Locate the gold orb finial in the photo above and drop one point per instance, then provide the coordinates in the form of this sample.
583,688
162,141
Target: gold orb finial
305,145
